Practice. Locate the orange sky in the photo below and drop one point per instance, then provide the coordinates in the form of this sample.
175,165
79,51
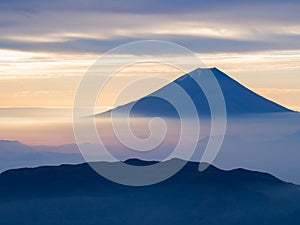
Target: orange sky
29,79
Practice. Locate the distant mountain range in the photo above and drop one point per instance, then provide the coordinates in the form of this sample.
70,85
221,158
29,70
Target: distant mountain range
75,194
14,154
239,100
276,152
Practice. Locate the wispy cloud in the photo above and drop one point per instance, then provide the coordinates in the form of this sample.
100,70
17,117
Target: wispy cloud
96,26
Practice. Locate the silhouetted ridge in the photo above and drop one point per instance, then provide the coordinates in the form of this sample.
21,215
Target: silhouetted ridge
74,179
77,195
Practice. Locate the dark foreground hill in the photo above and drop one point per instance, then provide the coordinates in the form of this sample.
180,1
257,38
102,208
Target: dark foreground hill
75,194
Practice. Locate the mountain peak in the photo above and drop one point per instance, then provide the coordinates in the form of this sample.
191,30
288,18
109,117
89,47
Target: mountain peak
213,71
205,69
197,73
239,100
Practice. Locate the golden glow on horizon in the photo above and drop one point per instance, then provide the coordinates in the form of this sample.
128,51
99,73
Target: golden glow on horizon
45,79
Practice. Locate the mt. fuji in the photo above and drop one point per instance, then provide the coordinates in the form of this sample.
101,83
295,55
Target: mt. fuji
239,100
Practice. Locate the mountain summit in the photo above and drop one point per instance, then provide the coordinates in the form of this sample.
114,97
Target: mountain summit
239,100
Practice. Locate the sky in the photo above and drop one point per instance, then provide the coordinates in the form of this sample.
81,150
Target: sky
47,46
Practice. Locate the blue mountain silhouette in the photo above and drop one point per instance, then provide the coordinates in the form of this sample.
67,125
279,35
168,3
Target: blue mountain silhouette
75,194
238,99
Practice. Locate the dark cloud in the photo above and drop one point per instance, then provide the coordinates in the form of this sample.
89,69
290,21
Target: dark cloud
232,10
143,6
196,44
35,18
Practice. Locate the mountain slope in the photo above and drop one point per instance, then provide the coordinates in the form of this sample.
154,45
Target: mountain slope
77,195
238,99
